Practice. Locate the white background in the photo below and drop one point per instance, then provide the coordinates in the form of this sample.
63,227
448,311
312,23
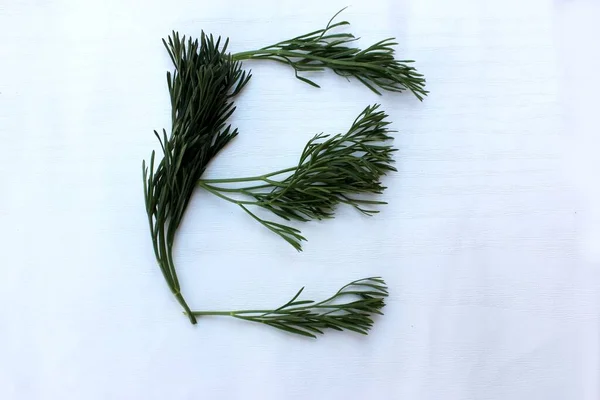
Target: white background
490,242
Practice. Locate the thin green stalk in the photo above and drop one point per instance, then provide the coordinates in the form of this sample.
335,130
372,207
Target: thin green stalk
249,178
217,192
247,190
247,55
185,306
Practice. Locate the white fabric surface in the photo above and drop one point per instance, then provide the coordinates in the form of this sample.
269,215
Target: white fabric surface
489,242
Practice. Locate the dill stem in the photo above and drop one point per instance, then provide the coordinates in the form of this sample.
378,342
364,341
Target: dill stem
246,55
245,190
267,52
231,313
320,304
240,312
216,192
249,178
187,309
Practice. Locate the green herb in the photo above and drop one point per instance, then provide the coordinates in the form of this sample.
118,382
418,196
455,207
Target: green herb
201,88
375,66
331,170
308,318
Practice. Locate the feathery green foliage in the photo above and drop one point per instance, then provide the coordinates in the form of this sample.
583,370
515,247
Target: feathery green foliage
201,89
331,170
375,66
309,318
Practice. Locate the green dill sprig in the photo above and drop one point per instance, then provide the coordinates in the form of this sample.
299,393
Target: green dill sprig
309,318
332,170
201,89
375,66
